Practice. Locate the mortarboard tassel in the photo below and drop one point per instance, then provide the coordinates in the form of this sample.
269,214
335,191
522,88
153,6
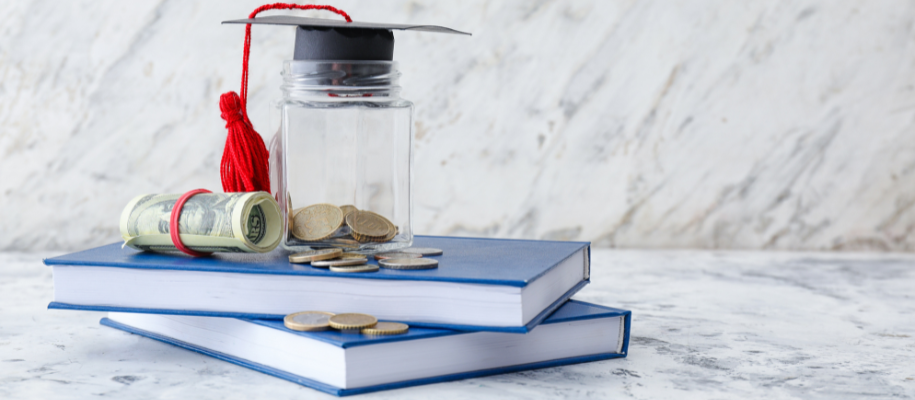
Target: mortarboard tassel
245,164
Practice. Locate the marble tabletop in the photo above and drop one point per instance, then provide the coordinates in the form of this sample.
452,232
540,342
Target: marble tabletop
705,325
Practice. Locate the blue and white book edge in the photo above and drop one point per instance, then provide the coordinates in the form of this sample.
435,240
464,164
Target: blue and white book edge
416,382
510,329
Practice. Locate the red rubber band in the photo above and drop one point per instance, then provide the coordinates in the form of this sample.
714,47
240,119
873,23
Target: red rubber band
173,223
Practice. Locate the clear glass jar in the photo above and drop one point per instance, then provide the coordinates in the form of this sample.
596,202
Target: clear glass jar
342,158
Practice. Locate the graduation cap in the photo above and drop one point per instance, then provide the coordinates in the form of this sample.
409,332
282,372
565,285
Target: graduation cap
245,166
328,39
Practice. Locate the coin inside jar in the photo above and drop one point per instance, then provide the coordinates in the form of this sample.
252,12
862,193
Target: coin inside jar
289,212
314,255
409,263
396,254
339,262
316,222
348,209
368,226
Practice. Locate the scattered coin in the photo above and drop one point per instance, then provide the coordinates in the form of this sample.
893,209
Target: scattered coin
339,262
409,263
315,255
357,268
352,321
425,251
386,328
316,222
308,320
396,254
352,255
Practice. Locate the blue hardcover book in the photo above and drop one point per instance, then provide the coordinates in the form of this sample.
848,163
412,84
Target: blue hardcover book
345,363
480,284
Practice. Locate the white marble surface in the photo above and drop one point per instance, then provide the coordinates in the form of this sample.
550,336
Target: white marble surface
709,124
722,325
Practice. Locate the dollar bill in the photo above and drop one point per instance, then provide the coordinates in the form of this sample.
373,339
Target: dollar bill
209,222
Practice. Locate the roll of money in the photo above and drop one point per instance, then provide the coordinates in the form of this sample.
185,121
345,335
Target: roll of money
210,222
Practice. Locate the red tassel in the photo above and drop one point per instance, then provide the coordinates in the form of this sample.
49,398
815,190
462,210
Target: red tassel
245,160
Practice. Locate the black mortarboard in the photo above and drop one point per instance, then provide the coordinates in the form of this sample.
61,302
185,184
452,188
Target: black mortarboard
328,39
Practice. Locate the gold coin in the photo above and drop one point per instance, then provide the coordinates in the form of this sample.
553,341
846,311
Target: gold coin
368,239
357,268
308,320
314,255
348,209
316,222
367,225
289,212
352,321
392,234
386,328
352,255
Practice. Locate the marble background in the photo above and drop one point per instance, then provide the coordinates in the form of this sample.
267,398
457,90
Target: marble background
700,124
795,325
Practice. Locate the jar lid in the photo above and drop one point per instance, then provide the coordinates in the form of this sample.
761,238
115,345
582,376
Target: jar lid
328,39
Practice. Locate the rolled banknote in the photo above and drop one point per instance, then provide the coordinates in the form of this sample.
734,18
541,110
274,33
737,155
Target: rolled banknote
210,222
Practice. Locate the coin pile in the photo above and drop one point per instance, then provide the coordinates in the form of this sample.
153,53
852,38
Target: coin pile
335,259
339,261
344,226
348,322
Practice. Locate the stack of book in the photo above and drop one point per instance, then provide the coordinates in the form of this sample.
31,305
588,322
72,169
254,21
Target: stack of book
492,306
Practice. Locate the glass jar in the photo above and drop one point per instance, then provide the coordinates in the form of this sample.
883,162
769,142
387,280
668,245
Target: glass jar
342,158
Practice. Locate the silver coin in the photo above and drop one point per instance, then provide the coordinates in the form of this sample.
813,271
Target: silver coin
409,263
311,319
357,268
424,251
340,262
396,254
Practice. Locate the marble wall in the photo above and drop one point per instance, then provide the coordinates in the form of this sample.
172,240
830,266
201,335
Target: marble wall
704,124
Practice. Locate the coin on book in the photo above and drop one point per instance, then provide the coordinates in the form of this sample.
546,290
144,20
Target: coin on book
352,255
316,222
339,262
409,263
396,254
386,328
356,268
308,320
424,251
349,321
314,255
